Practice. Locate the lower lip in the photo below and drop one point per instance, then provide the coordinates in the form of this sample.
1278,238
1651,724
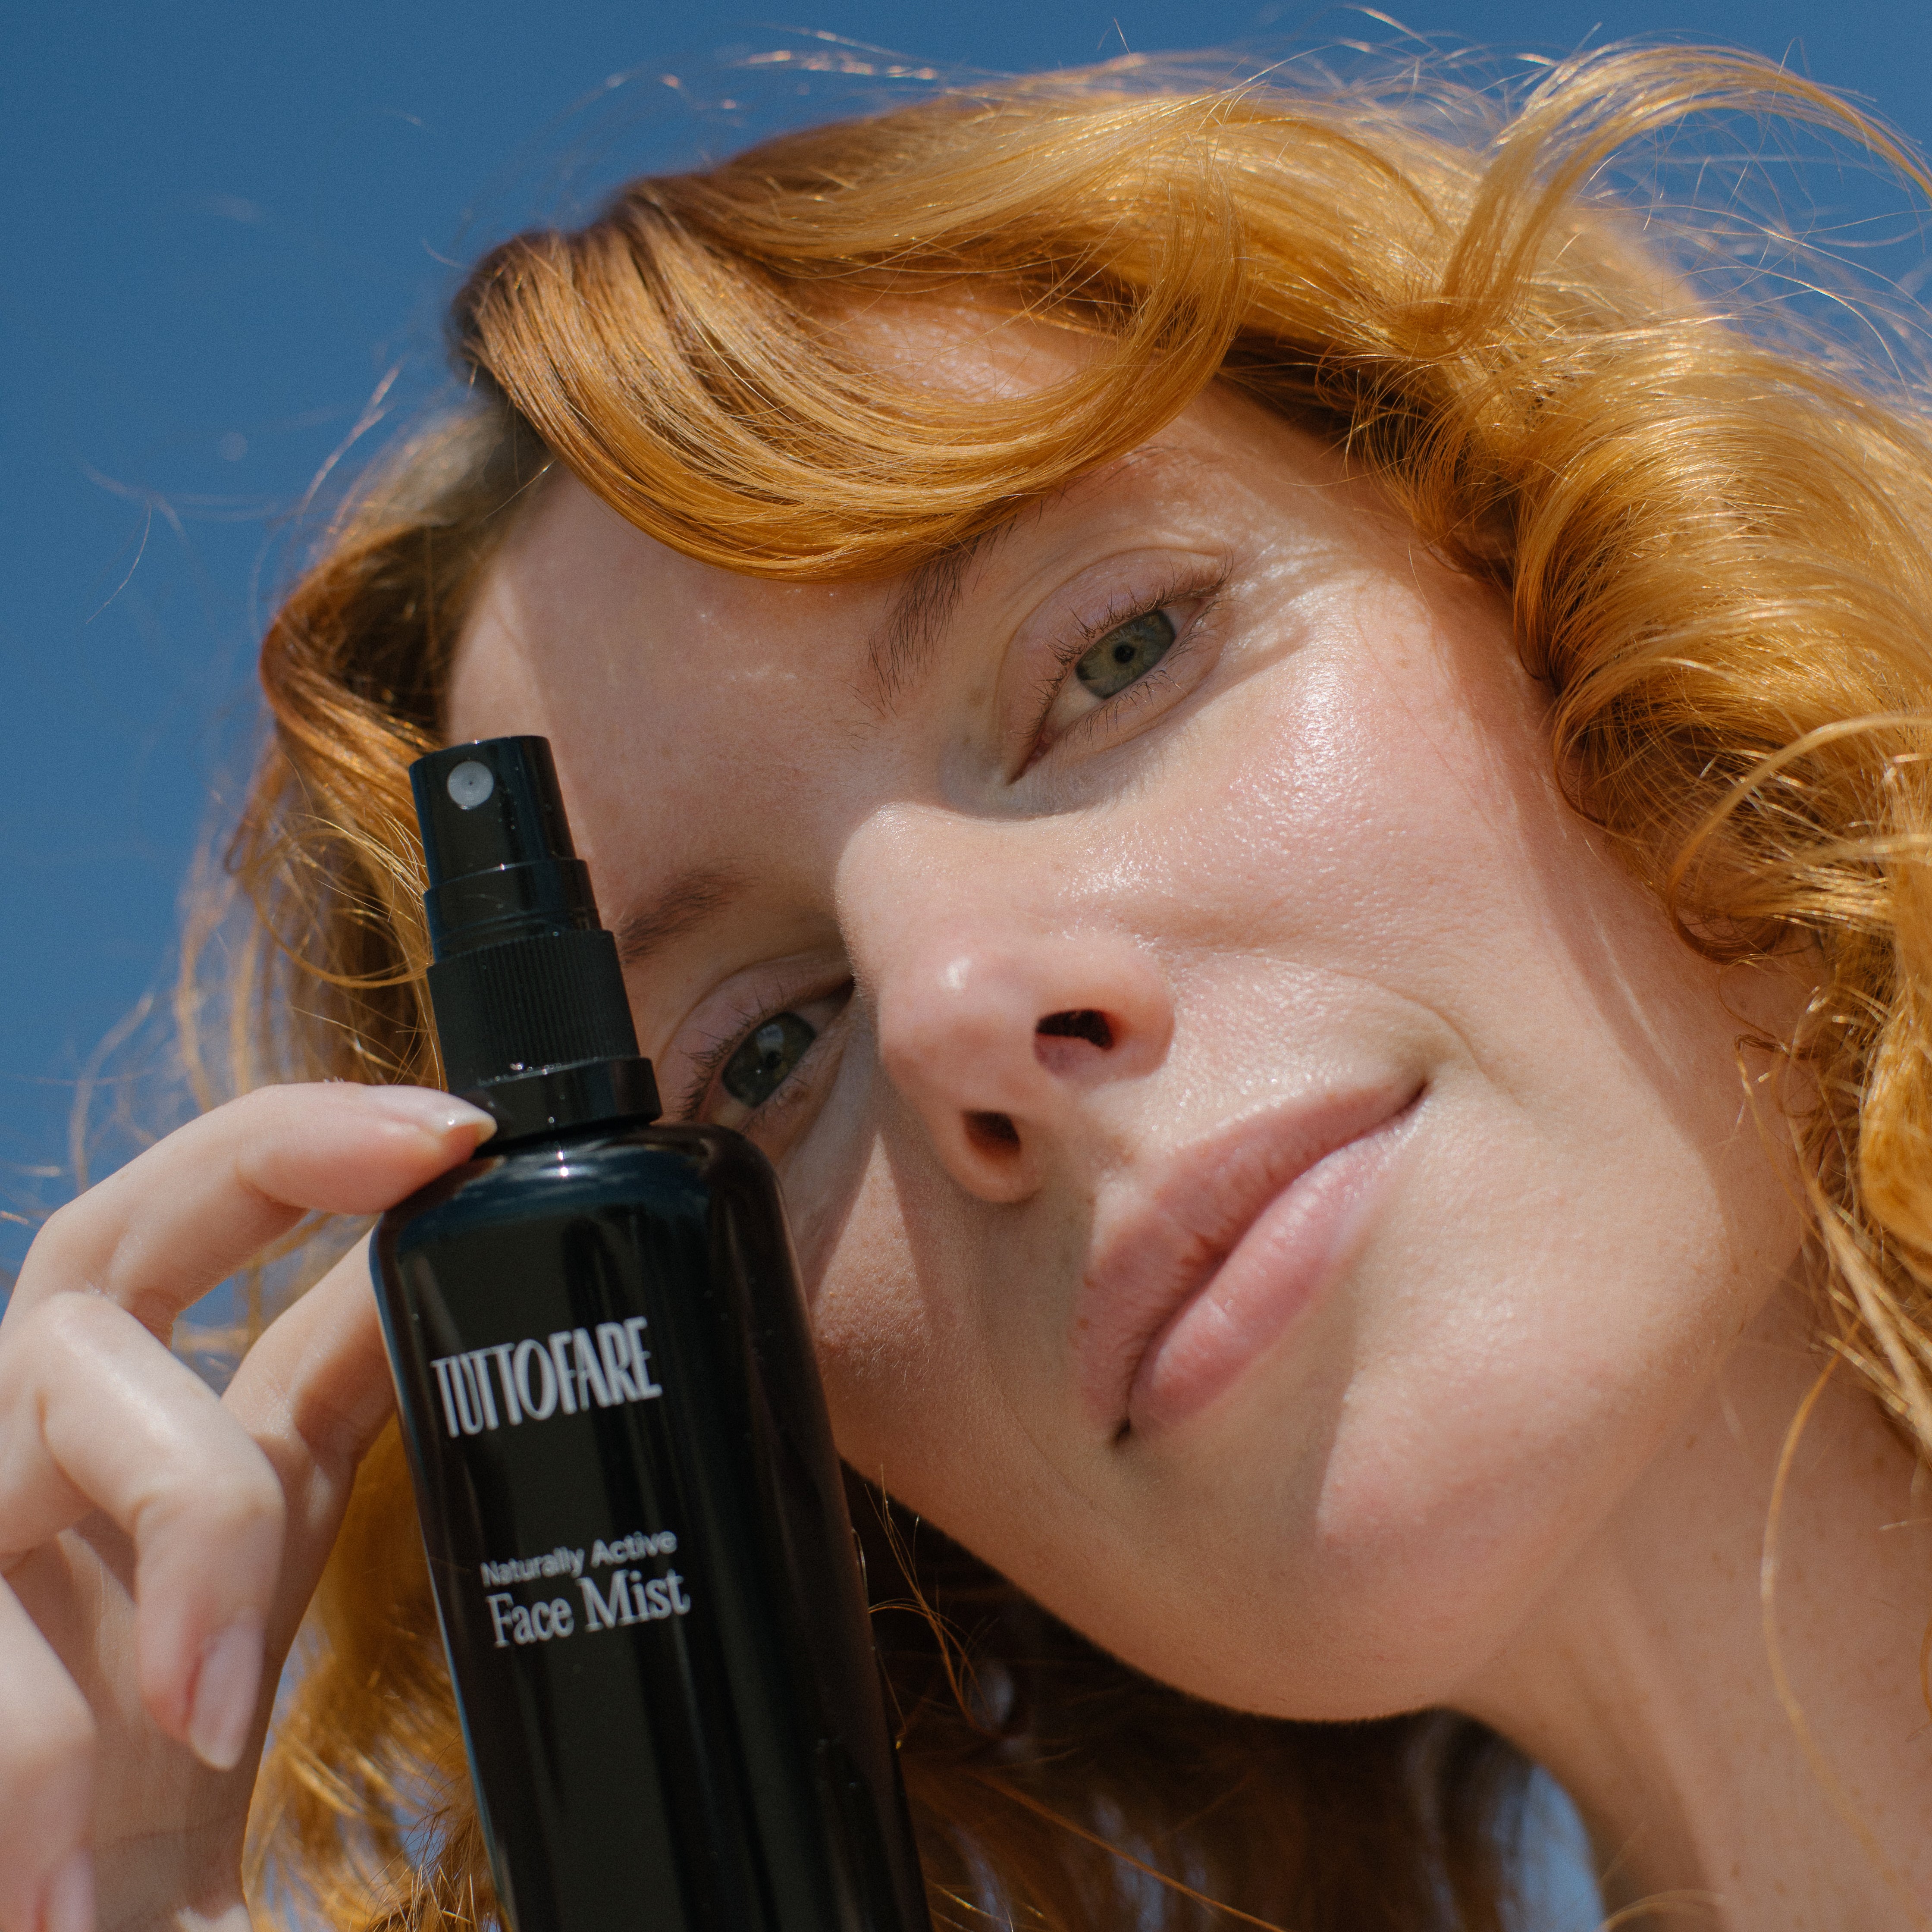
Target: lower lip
1294,1248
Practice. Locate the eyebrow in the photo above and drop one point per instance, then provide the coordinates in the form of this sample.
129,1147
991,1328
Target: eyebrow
900,652
692,899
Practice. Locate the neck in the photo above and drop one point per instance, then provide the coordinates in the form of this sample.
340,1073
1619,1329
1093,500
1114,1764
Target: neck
1737,1769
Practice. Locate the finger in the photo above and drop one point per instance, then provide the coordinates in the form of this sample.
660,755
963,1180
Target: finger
94,1416
314,1393
190,1210
46,1763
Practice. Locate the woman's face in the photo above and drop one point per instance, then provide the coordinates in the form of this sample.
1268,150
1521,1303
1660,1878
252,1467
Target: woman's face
1268,1182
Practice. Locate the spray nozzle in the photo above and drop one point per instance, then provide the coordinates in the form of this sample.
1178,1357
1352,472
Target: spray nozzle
529,1000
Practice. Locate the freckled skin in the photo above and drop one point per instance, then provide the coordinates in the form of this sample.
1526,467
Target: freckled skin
1333,843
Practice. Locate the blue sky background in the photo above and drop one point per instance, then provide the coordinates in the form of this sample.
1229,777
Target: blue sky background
224,223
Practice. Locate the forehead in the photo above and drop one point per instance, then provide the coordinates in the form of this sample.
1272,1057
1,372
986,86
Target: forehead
669,689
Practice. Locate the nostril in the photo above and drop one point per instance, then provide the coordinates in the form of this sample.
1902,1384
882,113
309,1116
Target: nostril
992,1133
1085,1025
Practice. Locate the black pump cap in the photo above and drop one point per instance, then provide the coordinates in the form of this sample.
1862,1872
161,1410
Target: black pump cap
529,1001
497,846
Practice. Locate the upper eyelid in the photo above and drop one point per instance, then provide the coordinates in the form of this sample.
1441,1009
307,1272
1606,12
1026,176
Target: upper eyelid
1175,585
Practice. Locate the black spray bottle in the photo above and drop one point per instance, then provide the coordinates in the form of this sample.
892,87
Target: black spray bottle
635,1517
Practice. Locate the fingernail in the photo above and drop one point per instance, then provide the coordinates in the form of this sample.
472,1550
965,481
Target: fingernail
68,1903
435,1113
225,1694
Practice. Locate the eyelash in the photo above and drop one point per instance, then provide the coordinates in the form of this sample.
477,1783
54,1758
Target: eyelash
710,1061
1182,587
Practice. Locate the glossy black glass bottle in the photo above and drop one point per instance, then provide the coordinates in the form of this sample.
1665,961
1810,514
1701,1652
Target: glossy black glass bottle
635,1517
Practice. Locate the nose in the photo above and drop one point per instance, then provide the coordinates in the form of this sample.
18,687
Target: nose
995,1035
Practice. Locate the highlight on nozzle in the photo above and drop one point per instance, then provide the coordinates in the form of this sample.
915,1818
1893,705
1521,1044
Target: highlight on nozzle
528,997
470,783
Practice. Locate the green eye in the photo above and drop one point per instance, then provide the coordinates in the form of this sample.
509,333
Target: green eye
764,1063
1128,652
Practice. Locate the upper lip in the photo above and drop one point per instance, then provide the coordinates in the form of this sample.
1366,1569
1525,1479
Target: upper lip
1188,1211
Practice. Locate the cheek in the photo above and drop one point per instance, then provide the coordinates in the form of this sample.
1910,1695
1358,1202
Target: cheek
1587,1218
891,1351
924,1399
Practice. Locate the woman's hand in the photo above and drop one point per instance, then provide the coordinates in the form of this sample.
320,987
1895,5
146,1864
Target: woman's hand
158,1544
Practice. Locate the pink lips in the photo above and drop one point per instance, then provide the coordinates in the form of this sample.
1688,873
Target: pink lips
1237,1235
